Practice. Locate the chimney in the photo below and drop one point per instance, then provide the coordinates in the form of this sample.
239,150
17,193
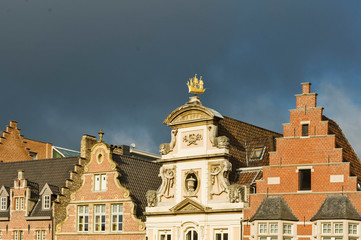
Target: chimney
87,142
306,88
20,174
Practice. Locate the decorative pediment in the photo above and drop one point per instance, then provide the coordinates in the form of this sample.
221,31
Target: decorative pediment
4,192
189,206
192,111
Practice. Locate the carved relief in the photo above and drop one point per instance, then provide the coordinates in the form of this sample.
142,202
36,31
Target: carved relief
167,174
192,139
191,182
190,116
151,196
219,142
165,148
219,177
236,193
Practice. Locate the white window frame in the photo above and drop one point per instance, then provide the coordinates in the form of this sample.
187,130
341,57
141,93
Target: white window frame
222,232
99,218
191,230
40,234
100,182
337,226
117,217
18,235
287,229
165,235
353,225
21,203
46,202
328,228
83,218
4,203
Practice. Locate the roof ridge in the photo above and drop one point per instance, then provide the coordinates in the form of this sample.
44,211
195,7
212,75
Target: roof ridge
39,160
139,159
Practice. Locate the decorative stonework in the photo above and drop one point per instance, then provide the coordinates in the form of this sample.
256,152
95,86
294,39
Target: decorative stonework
219,142
192,139
219,177
236,193
165,148
168,176
151,196
191,183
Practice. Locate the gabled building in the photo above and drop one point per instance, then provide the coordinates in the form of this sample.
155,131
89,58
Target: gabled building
28,190
310,190
200,196
108,199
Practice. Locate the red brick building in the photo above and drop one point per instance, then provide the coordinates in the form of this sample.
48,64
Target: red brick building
108,198
310,190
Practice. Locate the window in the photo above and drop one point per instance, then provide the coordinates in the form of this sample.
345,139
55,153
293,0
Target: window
287,229
83,218
166,235
100,182
262,228
4,203
326,228
192,235
117,217
304,130
352,229
221,234
338,228
40,235
19,203
46,202
304,179
257,153
18,235
33,155
274,228
99,218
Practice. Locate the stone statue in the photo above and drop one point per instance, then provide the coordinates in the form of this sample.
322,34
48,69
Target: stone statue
236,193
219,142
167,174
151,196
219,177
166,148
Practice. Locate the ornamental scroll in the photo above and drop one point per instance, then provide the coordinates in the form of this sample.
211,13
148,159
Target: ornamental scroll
168,176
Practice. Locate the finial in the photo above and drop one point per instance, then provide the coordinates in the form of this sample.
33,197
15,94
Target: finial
101,134
195,85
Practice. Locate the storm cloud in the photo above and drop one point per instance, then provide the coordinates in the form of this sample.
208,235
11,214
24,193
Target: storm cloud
72,67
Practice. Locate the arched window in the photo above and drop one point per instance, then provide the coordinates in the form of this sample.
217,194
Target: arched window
192,235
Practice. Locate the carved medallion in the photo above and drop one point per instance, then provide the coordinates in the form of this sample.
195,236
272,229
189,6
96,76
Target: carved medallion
192,139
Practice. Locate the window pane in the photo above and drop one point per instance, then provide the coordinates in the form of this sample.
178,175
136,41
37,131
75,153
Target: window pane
104,181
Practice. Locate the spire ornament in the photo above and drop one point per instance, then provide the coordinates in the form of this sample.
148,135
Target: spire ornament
101,134
195,85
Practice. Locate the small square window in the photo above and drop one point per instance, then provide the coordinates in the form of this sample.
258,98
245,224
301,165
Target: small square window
273,228
287,229
352,229
326,227
338,228
262,228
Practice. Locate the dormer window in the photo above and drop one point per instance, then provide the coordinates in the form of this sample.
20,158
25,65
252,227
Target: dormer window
4,203
46,204
34,155
257,153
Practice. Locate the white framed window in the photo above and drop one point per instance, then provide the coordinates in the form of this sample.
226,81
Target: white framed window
117,217
192,234
18,235
40,235
83,218
100,182
19,203
338,228
267,238
221,234
326,228
262,228
46,200
99,218
4,204
165,235
352,229
287,229
273,228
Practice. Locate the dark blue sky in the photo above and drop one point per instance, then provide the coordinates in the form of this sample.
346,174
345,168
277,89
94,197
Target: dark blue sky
71,67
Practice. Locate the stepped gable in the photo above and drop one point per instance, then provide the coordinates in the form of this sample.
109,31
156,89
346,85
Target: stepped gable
274,208
138,176
348,152
240,133
337,207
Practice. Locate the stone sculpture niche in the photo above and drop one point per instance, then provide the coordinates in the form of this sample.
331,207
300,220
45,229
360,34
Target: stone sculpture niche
219,142
219,177
166,148
151,196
